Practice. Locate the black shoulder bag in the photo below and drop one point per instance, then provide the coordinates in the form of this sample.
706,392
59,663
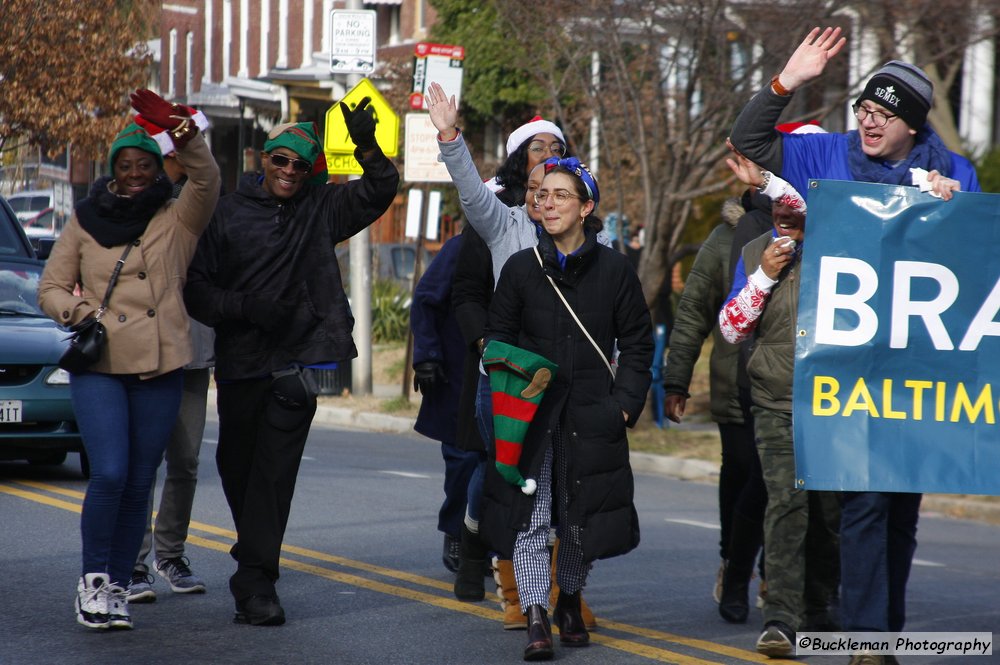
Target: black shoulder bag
89,336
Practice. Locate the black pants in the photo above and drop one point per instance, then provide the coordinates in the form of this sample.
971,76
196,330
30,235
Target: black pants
742,493
258,463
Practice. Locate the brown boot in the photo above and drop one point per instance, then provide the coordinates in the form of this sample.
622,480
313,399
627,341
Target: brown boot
539,635
503,573
589,622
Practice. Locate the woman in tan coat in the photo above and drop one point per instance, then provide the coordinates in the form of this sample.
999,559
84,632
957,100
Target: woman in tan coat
126,403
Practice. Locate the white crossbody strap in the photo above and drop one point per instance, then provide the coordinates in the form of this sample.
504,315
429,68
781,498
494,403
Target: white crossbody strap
573,314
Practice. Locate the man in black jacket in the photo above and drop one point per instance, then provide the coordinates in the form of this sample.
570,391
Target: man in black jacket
265,276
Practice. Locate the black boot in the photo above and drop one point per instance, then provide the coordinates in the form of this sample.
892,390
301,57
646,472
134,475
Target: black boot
734,605
567,615
744,543
539,635
469,583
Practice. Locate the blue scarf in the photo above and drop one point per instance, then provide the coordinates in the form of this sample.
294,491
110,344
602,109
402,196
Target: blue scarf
928,153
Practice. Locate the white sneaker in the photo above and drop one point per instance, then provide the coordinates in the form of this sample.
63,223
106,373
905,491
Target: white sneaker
717,589
118,615
92,600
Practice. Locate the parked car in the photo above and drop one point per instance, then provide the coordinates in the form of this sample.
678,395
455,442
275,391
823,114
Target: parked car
13,240
41,225
36,414
29,203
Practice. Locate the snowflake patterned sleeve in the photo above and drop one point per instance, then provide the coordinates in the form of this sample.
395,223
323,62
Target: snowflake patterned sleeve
781,191
740,315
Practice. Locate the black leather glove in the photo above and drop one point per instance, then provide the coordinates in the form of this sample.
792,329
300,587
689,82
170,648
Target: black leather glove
428,375
360,124
265,312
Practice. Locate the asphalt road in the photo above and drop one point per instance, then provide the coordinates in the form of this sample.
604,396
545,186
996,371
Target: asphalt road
363,582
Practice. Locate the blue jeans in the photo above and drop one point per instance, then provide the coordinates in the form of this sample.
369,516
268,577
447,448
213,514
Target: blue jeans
125,423
878,535
484,420
459,467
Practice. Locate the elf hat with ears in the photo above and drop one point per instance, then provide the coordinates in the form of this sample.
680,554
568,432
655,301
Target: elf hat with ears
518,380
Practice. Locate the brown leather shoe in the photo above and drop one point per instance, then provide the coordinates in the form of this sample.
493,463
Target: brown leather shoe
572,631
539,635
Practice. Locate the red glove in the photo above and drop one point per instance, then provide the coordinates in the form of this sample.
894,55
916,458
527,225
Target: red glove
157,110
174,118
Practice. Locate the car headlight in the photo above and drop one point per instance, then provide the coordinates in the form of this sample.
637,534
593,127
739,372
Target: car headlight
58,377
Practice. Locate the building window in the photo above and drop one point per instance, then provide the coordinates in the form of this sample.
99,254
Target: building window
189,65
172,64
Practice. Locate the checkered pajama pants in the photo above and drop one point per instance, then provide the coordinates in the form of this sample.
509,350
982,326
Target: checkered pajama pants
531,554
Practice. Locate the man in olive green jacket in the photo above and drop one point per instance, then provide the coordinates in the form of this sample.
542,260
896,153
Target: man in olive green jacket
741,492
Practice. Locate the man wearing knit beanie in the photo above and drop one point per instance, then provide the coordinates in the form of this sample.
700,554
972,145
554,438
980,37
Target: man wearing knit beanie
901,89
893,144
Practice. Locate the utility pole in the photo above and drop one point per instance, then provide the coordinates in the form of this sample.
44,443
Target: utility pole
361,287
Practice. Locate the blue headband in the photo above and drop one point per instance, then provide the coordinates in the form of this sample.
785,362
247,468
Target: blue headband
580,170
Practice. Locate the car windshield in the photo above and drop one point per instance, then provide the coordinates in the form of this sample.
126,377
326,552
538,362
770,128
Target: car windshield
19,289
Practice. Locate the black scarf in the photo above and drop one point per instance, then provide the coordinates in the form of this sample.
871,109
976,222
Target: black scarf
114,220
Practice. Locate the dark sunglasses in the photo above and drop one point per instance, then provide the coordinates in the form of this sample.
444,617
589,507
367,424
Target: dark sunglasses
300,165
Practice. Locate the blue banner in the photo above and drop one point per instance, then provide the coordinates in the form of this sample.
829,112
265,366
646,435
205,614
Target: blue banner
897,360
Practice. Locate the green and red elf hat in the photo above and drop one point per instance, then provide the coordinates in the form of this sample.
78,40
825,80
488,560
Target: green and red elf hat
518,380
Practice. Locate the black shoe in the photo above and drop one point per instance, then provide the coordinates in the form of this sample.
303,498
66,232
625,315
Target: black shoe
470,584
449,556
734,604
572,631
777,640
539,635
259,611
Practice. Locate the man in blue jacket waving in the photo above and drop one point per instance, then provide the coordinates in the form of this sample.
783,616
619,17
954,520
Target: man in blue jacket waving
893,144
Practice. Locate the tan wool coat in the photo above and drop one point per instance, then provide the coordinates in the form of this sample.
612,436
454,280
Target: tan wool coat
147,323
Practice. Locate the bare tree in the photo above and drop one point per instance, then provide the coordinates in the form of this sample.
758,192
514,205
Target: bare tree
66,69
674,74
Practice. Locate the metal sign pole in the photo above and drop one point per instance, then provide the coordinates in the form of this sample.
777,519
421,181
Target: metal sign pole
417,267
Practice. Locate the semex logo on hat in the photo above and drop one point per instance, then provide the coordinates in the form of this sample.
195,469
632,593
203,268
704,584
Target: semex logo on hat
888,95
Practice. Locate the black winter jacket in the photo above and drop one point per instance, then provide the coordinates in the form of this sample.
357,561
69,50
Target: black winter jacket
472,290
582,399
283,251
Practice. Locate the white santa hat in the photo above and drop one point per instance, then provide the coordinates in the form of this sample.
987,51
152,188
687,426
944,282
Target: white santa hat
534,126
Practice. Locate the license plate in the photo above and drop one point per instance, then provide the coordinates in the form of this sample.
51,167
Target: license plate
10,411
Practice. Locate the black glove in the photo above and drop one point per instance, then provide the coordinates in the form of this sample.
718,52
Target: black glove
428,375
265,312
360,124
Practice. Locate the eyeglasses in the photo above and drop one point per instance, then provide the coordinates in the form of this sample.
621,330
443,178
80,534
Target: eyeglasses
537,147
559,196
878,117
300,165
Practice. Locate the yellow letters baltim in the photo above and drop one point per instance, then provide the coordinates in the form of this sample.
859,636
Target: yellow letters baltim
827,401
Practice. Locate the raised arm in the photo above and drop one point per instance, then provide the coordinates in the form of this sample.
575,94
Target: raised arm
753,133
487,214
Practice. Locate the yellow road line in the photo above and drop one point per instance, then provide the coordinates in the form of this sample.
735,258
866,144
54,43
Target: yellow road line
651,652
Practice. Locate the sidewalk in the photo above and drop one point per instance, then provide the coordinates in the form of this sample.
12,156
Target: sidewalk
671,467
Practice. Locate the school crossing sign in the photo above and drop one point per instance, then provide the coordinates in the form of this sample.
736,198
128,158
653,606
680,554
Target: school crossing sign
337,143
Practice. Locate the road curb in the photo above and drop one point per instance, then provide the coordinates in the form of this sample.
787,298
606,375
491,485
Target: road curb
375,422
649,463
674,467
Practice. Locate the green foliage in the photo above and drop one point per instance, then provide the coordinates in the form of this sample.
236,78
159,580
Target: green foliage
390,311
988,170
494,83
395,405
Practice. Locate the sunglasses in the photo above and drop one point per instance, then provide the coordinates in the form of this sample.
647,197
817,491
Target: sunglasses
300,165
